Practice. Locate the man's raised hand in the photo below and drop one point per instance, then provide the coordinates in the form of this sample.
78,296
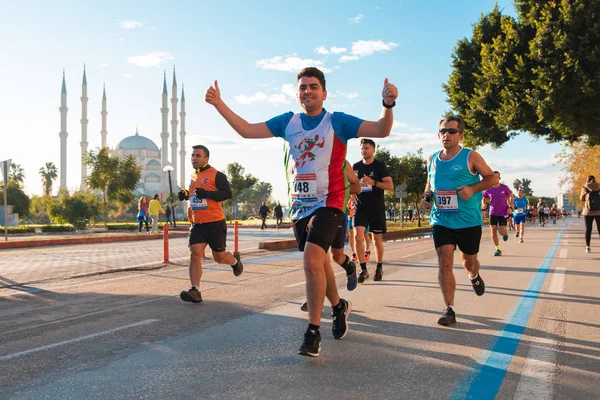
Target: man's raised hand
389,93
213,94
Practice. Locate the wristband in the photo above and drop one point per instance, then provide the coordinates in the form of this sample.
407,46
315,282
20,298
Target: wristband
386,106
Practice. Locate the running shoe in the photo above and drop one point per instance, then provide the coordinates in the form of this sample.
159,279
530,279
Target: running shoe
363,276
448,317
238,268
587,250
521,240
505,237
193,296
517,233
497,252
351,278
340,319
304,306
378,274
367,255
478,285
311,347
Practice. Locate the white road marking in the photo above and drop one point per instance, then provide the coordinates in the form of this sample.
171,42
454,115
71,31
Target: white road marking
557,284
538,371
563,253
75,340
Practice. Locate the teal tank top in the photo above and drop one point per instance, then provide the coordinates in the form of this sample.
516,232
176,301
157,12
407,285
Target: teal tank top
445,176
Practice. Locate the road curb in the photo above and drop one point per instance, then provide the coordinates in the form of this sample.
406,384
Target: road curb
291,243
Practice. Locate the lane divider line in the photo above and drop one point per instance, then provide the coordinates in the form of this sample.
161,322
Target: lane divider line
485,379
75,340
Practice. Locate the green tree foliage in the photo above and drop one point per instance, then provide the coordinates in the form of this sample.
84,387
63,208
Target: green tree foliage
115,177
38,213
15,197
536,73
16,173
524,184
77,210
255,195
239,182
48,173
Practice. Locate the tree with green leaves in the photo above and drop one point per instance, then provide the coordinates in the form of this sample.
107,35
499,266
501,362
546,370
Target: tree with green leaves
239,183
524,184
15,197
78,210
16,173
115,177
48,174
256,194
537,73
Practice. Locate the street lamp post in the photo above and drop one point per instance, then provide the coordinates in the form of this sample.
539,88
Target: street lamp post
168,169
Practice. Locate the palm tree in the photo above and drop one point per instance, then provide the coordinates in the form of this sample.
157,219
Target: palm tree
48,173
17,173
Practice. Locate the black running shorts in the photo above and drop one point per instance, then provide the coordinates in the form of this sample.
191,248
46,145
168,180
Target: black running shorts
320,228
374,219
497,220
467,239
340,236
213,233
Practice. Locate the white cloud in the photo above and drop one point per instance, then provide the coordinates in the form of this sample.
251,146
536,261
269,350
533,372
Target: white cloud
338,50
397,125
126,76
153,59
349,96
355,20
290,64
286,95
348,58
321,50
364,48
131,24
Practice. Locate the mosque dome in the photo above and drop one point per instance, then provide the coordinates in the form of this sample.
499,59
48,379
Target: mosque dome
137,142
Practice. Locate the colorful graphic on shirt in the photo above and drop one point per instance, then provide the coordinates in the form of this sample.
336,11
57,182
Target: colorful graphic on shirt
303,151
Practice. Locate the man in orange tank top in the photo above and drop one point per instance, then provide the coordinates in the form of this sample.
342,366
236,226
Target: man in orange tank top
208,188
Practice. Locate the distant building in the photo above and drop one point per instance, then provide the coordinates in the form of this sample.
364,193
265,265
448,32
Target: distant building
563,202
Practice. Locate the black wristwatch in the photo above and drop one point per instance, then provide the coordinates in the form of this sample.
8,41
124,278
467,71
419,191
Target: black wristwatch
386,106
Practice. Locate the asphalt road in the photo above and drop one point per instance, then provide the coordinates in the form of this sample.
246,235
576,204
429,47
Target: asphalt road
533,335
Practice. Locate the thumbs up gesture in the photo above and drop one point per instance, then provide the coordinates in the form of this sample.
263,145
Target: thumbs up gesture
213,94
389,92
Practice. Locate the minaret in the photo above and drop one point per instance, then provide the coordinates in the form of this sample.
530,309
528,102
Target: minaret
164,152
174,127
103,113
63,134
84,124
182,160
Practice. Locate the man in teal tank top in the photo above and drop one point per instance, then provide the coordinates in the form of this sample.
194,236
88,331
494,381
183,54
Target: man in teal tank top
453,193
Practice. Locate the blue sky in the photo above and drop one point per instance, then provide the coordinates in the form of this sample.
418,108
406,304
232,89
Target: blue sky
254,49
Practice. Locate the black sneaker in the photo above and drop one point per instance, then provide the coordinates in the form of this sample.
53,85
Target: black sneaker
193,295
448,317
311,347
478,285
363,276
238,268
351,278
378,274
340,316
304,307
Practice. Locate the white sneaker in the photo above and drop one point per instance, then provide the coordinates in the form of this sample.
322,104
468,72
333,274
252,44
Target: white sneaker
588,250
521,240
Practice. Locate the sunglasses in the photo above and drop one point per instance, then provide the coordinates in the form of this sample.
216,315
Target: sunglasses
451,131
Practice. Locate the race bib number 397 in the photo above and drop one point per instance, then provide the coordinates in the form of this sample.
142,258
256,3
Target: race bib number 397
446,200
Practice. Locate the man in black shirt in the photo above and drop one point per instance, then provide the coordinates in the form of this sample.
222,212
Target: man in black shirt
263,211
370,210
278,211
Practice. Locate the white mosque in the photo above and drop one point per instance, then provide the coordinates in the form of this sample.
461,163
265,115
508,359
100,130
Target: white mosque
149,156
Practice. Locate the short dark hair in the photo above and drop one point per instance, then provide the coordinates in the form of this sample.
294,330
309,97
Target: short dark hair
459,120
155,196
203,148
312,72
591,178
497,172
367,141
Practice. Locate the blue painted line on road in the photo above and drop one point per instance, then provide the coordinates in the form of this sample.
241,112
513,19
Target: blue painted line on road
485,380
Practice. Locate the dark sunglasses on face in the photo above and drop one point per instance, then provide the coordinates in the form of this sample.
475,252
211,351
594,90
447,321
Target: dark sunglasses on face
451,131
